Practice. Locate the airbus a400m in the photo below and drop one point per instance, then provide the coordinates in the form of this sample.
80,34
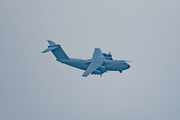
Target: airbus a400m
99,64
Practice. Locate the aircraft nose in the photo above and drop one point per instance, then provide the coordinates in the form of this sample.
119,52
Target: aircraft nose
128,66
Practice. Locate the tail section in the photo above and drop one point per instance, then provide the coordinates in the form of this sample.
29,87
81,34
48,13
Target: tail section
56,50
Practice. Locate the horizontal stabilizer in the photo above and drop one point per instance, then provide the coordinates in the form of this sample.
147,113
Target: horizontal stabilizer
49,49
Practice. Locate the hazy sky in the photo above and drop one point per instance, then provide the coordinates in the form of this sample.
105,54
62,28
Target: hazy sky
34,86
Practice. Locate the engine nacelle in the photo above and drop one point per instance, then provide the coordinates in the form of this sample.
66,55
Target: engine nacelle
97,72
103,69
108,56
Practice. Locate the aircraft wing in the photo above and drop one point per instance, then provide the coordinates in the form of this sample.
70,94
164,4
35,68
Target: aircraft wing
97,60
97,54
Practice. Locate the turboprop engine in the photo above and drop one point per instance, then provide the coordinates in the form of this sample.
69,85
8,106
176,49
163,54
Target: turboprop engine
108,56
100,70
97,72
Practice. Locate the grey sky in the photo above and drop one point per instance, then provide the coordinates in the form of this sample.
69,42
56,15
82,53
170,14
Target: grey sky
35,86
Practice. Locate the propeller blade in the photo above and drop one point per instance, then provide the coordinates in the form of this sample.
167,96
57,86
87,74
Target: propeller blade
127,61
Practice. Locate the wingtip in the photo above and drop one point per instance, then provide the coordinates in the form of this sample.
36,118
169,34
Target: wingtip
84,75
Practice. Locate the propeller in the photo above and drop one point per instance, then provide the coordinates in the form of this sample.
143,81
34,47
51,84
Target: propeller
126,60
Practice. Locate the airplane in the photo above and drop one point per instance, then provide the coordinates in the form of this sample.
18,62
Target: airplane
99,64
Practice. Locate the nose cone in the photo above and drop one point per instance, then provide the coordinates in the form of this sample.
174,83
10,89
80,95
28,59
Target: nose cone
128,66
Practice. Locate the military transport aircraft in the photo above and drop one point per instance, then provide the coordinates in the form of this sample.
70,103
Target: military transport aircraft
99,64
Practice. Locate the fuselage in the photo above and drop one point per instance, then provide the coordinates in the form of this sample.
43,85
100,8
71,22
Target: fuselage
108,65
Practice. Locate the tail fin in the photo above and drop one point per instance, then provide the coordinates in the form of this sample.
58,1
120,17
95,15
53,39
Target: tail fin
56,50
